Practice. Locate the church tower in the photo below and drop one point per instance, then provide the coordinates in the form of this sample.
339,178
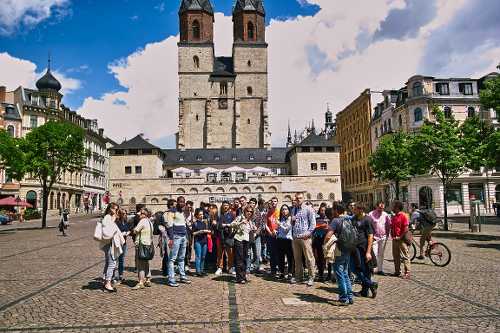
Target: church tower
196,61
250,68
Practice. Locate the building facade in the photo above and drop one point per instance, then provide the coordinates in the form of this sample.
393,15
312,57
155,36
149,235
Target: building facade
353,135
25,109
406,110
222,100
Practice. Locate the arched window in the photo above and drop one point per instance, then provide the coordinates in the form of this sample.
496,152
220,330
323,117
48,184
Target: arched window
249,63
248,121
447,112
418,89
417,114
250,31
219,190
249,91
259,189
273,189
193,190
154,201
425,197
233,190
207,190
10,130
180,191
196,62
400,121
196,30
471,112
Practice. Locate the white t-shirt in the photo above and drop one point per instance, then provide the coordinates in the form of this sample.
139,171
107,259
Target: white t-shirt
143,232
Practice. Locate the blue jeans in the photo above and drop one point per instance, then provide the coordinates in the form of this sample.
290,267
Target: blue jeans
110,263
363,272
341,268
121,263
177,254
200,252
254,252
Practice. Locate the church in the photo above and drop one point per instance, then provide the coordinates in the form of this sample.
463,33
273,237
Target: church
223,146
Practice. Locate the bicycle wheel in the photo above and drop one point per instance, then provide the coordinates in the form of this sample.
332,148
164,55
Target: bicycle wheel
439,254
412,251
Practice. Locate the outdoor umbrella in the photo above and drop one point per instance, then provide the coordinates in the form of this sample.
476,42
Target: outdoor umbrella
11,201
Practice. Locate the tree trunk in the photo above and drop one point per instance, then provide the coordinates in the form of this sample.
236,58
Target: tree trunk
445,189
45,196
397,189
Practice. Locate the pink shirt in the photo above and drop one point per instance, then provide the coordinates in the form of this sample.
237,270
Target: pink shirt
381,224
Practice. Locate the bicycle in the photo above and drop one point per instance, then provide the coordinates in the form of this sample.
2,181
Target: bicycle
438,253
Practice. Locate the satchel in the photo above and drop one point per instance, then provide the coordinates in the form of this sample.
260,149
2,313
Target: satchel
407,237
98,231
146,252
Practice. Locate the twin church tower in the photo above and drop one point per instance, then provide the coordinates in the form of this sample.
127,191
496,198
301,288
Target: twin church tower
222,100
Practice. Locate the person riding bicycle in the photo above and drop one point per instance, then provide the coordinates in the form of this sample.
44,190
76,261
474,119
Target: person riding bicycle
423,219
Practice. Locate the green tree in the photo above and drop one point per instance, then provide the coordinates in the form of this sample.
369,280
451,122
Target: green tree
46,153
438,150
391,161
11,155
476,134
490,94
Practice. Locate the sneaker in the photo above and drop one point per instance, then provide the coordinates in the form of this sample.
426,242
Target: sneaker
138,286
281,277
172,284
218,272
310,282
351,301
232,271
406,276
241,282
373,289
343,303
293,281
185,280
117,282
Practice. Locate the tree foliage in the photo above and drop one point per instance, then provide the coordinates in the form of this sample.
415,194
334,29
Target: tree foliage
476,135
11,155
45,154
490,94
392,160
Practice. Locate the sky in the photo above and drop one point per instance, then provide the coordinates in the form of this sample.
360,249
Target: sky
117,59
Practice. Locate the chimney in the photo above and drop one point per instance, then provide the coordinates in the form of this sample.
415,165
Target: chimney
101,132
3,91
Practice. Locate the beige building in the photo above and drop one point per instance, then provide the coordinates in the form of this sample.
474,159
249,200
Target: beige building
353,135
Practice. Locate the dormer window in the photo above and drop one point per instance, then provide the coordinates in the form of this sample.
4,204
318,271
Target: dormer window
269,158
234,158
198,158
418,89
251,157
465,88
442,88
181,158
217,157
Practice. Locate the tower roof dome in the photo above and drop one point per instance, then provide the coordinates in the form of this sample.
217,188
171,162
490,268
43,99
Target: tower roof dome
48,81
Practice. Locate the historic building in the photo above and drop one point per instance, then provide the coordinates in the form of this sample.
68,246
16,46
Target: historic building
406,109
24,109
353,135
222,100
223,144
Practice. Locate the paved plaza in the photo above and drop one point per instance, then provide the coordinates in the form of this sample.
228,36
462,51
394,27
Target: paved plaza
49,283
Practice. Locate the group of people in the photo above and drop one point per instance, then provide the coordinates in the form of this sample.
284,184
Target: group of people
240,237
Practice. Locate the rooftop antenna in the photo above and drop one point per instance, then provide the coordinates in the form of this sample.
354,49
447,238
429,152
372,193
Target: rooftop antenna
48,67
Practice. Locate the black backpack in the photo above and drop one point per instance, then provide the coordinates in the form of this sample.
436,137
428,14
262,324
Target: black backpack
348,237
429,216
158,220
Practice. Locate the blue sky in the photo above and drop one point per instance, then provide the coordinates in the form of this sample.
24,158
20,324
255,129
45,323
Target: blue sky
93,33
117,59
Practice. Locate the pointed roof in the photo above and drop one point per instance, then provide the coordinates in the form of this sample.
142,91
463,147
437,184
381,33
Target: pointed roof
204,5
48,81
249,5
135,143
315,140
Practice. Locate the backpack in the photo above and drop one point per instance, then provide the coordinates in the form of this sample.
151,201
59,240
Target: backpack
348,237
429,216
158,220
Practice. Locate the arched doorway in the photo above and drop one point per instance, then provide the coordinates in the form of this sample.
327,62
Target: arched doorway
31,198
425,197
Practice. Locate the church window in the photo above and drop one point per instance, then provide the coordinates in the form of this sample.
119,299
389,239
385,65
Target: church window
248,121
196,62
249,63
197,117
10,130
249,91
196,30
223,88
250,31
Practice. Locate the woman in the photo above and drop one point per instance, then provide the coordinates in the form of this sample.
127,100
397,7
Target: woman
225,240
319,234
284,239
201,231
242,227
143,236
112,242
125,227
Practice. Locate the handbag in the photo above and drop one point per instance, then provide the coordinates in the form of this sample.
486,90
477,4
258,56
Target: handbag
98,231
407,237
146,252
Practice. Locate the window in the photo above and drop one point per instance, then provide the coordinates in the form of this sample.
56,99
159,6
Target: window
138,169
217,157
181,158
269,158
400,121
251,157
318,149
196,62
385,126
465,88
471,112
223,88
33,121
249,91
323,166
250,31
196,30
128,170
248,121
447,112
314,166
381,130
197,117
476,192
234,157
249,63
306,149
10,130
454,195
417,114
442,88
198,158
418,89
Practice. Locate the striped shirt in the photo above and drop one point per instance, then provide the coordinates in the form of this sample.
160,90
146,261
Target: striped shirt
305,222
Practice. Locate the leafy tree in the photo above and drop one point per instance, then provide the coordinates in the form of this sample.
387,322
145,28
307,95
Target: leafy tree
476,134
11,155
493,149
490,94
438,149
46,153
391,161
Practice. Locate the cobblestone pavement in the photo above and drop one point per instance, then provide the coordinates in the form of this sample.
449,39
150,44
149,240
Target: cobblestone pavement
48,283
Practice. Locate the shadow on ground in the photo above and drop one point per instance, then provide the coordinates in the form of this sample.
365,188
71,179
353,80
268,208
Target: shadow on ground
494,246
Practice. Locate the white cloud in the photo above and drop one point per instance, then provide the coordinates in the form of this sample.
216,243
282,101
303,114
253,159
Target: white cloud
18,14
18,72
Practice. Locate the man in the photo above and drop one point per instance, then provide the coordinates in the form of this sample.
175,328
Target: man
255,245
303,224
176,229
425,220
362,256
272,218
226,240
342,256
243,204
188,216
262,211
399,226
381,224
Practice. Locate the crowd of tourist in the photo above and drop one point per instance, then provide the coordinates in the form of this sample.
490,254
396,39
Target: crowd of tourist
244,237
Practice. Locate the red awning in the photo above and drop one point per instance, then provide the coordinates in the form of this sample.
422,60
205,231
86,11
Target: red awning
11,201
